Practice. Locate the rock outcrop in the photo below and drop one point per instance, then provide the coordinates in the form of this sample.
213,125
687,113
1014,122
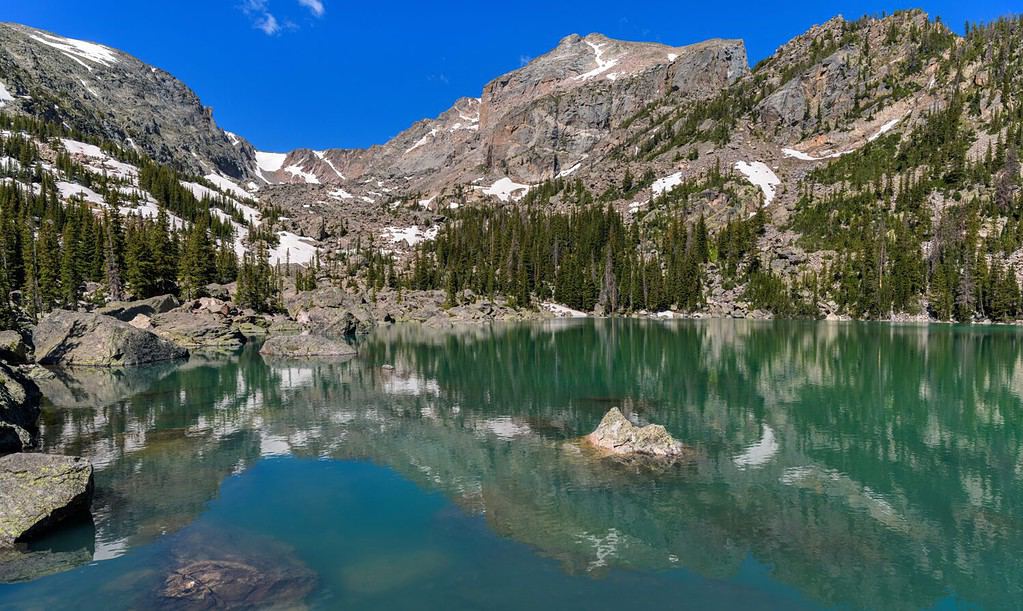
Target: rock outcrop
38,491
94,340
305,346
198,328
19,411
13,348
103,92
128,310
617,435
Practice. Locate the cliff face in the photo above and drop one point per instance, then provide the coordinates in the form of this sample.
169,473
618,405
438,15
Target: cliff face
103,92
530,124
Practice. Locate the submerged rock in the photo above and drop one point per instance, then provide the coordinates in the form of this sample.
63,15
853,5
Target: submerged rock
95,340
19,411
38,491
214,571
619,436
305,345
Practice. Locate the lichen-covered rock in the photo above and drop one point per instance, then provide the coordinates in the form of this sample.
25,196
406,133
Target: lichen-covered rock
94,340
13,348
617,435
129,310
197,329
19,411
38,491
305,346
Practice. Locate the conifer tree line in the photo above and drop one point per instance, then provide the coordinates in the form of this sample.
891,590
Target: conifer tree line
51,250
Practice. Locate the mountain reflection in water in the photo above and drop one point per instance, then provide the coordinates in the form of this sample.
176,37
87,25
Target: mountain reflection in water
857,464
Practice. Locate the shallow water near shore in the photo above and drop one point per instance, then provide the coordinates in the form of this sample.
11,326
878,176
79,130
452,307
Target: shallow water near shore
833,464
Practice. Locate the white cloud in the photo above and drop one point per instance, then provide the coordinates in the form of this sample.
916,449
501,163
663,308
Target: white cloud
268,23
262,19
315,6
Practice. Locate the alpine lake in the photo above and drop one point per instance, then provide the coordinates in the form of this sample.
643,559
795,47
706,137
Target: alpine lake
832,465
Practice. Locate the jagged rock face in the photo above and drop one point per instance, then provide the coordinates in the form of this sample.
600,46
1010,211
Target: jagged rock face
826,90
530,123
543,119
38,491
104,92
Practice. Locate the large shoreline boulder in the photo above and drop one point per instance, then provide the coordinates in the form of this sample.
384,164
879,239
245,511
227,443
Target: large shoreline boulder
301,346
95,340
615,434
39,491
19,411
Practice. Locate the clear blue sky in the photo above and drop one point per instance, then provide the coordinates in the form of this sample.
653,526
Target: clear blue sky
332,73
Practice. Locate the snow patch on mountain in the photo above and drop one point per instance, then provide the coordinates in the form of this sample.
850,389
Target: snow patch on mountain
760,175
422,141
227,185
340,194
292,248
410,235
270,162
663,185
5,95
79,50
70,190
506,190
322,156
299,172
800,155
887,127
603,65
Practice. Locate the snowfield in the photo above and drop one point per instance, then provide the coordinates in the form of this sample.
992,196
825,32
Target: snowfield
5,95
663,185
79,50
800,155
299,172
760,175
70,190
506,190
887,127
269,163
410,235
227,185
293,249
603,65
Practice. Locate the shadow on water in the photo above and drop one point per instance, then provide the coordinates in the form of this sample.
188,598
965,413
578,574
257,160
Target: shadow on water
848,464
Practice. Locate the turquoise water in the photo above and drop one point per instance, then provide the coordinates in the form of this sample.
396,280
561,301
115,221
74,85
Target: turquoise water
834,465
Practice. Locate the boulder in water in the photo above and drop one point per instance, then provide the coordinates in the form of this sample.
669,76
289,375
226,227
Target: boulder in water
94,340
199,328
617,435
305,346
38,491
